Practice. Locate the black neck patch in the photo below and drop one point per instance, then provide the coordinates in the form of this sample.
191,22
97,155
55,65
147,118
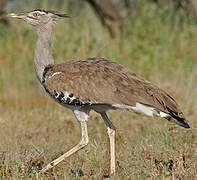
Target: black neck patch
46,69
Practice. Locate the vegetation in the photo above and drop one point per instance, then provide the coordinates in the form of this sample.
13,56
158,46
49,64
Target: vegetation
159,44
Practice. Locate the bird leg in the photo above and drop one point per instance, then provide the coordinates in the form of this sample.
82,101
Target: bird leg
111,133
83,142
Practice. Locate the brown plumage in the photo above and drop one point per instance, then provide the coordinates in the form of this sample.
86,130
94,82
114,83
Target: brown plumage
107,82
94,84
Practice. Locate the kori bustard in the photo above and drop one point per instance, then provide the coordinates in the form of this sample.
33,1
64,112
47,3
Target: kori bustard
95,84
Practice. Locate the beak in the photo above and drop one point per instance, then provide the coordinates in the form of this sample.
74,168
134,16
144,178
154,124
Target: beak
18,16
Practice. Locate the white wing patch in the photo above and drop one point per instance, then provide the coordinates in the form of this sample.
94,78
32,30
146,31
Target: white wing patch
162,114
69,98
142,109
54,74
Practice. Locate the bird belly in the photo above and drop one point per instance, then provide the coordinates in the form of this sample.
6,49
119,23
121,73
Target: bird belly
142,109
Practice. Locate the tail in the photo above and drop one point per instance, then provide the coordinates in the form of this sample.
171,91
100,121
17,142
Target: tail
178,120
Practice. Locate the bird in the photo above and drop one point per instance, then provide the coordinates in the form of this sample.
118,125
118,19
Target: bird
97,84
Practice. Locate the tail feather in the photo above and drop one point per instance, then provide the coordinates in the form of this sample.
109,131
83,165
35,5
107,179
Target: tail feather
178,120
181,121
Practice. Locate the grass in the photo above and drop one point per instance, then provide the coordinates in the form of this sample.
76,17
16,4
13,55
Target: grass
159,44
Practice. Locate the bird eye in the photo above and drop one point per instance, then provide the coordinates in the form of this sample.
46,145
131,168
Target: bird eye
35,14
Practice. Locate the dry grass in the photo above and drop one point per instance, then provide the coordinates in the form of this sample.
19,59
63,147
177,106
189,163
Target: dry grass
34,130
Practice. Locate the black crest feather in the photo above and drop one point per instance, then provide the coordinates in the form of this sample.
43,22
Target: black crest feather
53,12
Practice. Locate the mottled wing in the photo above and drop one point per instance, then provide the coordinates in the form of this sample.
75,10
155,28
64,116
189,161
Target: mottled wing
88,80
106,82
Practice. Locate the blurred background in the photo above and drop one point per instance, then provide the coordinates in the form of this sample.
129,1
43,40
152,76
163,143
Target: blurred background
155,38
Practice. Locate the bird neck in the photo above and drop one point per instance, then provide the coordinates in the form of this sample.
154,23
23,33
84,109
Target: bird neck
43,52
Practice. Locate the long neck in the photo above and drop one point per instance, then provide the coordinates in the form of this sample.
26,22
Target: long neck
43,52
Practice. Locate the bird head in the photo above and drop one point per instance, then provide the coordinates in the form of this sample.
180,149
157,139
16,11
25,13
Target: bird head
39,17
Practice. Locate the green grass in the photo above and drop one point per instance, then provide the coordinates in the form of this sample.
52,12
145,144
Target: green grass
159,44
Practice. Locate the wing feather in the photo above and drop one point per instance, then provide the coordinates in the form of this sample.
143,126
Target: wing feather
107,82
